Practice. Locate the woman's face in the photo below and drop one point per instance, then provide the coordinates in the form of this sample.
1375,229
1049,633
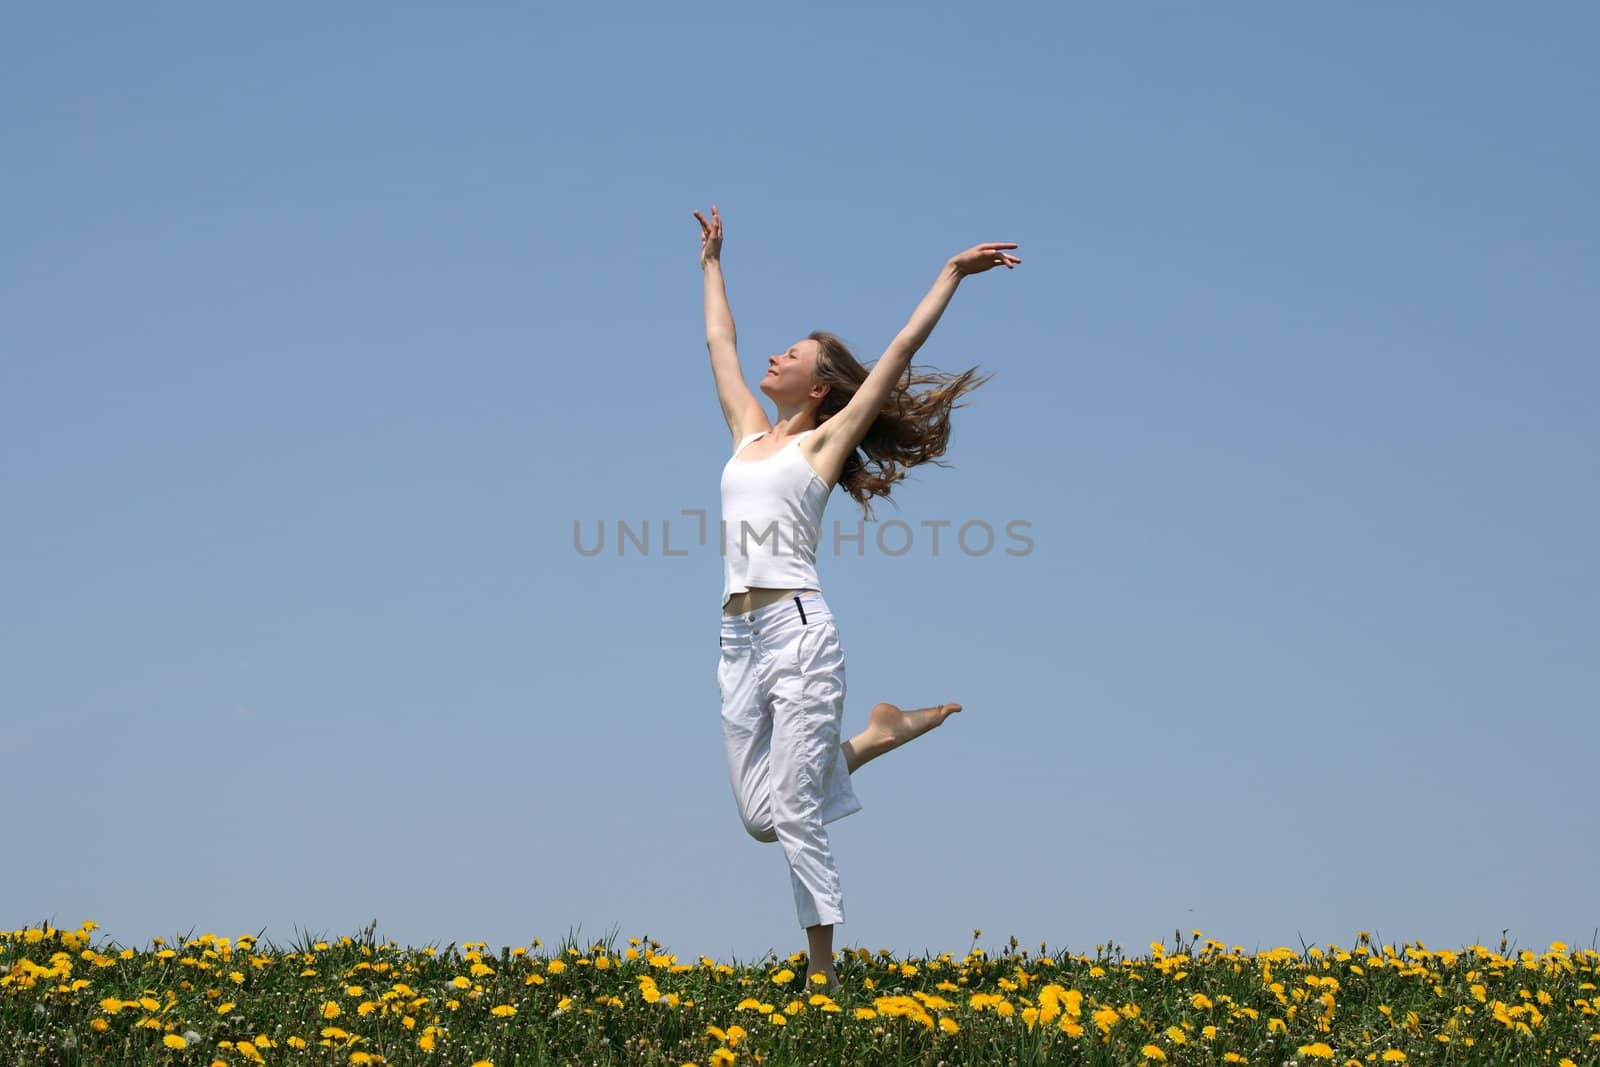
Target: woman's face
789,374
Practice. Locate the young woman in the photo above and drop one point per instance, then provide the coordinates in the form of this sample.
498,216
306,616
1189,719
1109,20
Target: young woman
782,675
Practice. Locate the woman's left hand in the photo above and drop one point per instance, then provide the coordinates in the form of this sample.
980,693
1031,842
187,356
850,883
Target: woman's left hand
980,258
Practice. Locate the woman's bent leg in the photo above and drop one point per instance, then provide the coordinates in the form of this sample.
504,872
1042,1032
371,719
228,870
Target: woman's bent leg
746,734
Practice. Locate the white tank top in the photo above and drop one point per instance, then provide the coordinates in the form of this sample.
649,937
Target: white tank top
771,520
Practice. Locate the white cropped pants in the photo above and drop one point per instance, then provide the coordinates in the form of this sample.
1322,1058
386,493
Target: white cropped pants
782,683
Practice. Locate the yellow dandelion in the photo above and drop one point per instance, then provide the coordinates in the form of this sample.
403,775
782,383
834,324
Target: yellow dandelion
1317,1050
503,1010
783,976
865,1013
1394,1055
1152,1052
173,1041
556,967
99,1026
331,1010
948,1025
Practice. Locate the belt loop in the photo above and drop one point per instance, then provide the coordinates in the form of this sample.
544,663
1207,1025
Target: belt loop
801,609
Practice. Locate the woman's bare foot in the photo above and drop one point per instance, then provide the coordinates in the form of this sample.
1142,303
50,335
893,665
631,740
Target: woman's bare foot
888,728
819,960
830,987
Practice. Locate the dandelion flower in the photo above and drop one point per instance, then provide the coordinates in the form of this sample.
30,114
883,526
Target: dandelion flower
173,1041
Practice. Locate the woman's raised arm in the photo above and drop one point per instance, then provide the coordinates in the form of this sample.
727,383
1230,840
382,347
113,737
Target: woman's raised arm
740,407
843,433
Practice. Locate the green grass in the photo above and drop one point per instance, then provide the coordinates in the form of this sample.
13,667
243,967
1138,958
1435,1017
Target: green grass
67,999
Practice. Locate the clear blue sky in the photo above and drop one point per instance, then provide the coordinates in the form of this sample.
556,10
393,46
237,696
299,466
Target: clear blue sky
323,326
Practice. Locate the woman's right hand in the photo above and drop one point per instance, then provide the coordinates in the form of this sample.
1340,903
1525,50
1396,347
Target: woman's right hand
710,237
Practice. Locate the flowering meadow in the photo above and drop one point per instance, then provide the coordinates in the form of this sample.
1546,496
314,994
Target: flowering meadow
67,999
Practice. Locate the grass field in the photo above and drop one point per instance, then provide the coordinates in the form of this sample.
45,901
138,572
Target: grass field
66,998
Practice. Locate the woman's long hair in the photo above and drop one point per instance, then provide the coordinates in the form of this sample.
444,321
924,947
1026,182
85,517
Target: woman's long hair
912,428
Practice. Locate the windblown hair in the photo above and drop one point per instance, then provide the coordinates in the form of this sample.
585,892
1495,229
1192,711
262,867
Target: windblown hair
912,428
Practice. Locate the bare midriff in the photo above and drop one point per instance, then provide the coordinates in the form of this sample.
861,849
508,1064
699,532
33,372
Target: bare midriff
752,599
